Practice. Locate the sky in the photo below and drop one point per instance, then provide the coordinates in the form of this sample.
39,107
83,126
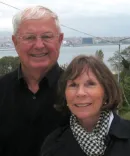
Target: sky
97,17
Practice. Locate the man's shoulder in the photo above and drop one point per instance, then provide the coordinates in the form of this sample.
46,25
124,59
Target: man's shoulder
8,77
59,70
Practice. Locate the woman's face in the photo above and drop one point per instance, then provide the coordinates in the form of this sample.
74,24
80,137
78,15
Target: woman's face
84,96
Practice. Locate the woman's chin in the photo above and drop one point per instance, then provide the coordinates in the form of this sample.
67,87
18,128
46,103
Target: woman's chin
82,115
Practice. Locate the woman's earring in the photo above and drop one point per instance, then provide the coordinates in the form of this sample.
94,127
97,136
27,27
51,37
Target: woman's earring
105,103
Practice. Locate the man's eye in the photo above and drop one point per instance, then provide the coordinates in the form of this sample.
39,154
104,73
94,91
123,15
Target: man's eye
29,37
46,37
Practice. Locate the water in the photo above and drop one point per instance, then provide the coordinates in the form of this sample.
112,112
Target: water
67,53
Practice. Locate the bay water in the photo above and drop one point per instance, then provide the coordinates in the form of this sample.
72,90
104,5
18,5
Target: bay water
67,53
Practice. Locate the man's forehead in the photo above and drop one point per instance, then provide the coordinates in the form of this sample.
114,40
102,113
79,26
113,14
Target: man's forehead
38,25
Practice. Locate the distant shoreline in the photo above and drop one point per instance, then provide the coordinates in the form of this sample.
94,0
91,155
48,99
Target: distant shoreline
6,49
84,45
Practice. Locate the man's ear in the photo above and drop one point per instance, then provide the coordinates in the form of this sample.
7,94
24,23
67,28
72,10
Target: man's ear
61,38
14,39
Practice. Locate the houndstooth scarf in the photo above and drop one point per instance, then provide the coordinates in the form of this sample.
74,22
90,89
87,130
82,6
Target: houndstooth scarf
92,143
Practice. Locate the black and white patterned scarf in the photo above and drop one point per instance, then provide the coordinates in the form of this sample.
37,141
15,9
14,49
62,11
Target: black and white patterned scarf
92,143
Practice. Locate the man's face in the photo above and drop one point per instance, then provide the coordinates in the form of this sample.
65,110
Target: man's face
37,43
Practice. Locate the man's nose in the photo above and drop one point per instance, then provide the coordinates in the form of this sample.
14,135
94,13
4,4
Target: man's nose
39,42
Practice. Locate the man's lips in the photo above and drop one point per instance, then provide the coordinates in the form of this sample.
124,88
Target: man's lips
39,55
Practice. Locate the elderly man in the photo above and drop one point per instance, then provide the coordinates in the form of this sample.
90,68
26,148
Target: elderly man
28,94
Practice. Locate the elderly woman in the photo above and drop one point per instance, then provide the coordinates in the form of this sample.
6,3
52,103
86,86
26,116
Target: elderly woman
89,91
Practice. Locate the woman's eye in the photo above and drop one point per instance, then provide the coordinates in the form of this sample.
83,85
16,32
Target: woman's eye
90,83
72,85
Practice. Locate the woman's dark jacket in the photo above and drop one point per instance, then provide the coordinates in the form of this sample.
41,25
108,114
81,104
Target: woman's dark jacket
62,143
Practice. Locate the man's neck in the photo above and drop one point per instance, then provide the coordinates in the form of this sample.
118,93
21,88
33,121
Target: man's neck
32,78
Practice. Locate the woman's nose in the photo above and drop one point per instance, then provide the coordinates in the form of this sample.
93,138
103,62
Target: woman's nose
81,91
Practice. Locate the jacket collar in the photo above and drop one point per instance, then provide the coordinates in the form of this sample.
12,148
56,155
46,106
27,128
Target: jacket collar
119,128
51,76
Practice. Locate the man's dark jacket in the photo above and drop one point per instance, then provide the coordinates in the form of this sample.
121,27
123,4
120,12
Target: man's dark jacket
27,118
62,143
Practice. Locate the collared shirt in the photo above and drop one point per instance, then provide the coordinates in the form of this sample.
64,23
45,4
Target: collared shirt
27,118
51,76
110,121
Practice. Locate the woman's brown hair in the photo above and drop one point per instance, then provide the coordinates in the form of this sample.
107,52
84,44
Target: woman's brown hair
105,77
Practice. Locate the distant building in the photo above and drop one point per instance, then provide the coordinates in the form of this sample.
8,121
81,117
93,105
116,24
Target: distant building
88,40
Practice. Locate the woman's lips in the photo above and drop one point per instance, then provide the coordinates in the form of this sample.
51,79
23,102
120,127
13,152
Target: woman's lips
82,104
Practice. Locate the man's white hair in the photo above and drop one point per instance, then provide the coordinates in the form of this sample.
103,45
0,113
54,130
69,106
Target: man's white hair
37,12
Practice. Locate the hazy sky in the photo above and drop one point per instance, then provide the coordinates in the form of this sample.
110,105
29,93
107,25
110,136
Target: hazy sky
96,17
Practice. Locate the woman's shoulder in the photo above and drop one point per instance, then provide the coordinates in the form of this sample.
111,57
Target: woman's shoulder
123,122
56,134
120,127
51,140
